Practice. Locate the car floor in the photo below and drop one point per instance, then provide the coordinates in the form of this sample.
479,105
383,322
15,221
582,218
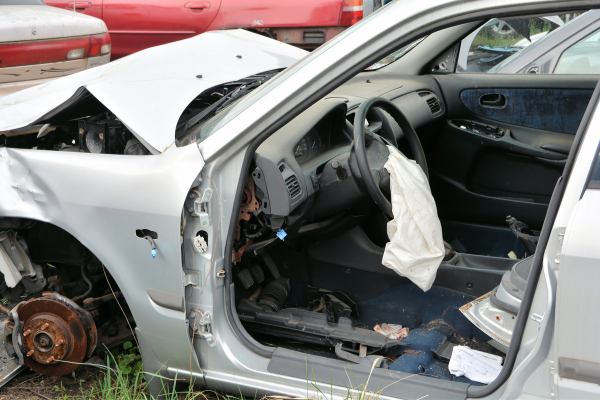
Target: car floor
431,316
482,240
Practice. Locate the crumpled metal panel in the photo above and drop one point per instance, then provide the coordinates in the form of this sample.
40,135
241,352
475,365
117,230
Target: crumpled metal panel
495,322
102,199
149,90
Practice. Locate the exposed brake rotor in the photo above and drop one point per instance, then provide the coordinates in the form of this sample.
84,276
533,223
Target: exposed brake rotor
55,336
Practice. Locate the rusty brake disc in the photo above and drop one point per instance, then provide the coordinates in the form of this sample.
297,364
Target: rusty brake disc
53,337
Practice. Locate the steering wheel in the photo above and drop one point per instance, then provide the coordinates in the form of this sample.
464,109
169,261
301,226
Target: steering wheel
372,152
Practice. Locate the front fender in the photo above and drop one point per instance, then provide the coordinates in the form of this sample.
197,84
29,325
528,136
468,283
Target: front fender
102,200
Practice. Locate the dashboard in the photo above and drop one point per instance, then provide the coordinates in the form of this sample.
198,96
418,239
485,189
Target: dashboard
328,133
291,160
313,144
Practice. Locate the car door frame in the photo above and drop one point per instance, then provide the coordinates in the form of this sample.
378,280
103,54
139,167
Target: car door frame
574,369
533,364
261,115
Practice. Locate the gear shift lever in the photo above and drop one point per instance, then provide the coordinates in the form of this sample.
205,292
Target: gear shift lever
525,235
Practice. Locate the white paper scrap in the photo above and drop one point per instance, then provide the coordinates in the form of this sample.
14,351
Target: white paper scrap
391,331
475,365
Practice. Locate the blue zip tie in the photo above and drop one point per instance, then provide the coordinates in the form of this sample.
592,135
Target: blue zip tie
153,251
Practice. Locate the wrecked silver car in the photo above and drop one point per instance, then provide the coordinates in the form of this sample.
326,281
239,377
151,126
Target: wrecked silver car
362,217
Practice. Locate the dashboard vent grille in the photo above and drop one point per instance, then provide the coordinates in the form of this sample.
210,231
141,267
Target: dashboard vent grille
281,167
434,105
293,186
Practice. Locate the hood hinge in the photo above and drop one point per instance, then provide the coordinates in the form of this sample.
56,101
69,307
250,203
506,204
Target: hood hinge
200,206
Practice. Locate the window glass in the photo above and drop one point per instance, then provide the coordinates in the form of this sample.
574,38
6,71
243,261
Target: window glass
501,39
395,55
581,58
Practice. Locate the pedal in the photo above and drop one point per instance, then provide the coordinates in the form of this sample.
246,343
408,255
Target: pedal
257,273
246,278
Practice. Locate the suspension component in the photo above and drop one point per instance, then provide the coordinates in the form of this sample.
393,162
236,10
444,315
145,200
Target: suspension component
56,334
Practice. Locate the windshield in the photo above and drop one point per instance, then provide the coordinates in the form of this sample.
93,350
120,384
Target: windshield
394,56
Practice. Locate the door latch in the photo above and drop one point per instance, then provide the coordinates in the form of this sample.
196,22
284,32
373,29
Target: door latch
538,318
202,327
559,245
190,279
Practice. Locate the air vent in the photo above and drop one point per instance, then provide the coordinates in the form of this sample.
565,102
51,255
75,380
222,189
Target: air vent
423,94
281,167
434,105
313,36
293,187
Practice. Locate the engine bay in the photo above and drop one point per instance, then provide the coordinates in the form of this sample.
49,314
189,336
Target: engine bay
85,126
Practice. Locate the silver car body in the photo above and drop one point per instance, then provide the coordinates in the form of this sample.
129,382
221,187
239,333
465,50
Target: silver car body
103,199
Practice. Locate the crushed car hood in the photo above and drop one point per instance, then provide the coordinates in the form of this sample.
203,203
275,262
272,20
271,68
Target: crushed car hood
149,90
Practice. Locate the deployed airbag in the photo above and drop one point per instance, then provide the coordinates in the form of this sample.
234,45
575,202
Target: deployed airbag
416,246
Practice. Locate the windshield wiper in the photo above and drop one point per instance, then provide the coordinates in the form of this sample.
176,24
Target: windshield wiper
220,104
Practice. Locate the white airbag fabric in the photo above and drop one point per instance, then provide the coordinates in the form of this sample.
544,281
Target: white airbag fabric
416,246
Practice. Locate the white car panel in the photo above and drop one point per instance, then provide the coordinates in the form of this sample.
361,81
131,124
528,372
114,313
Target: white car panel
151,194
17,23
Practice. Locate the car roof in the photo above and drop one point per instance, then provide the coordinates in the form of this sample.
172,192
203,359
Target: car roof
149,90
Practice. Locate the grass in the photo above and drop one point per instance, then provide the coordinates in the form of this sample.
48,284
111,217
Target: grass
126,381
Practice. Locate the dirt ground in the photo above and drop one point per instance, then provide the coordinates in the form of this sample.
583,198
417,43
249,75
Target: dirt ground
30,385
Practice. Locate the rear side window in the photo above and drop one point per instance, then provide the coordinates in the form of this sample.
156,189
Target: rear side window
581,58
500,39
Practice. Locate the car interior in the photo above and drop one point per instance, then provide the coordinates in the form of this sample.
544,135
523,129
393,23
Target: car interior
307,273
307,260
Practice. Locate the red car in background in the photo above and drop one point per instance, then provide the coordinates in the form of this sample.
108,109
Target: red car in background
138,24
